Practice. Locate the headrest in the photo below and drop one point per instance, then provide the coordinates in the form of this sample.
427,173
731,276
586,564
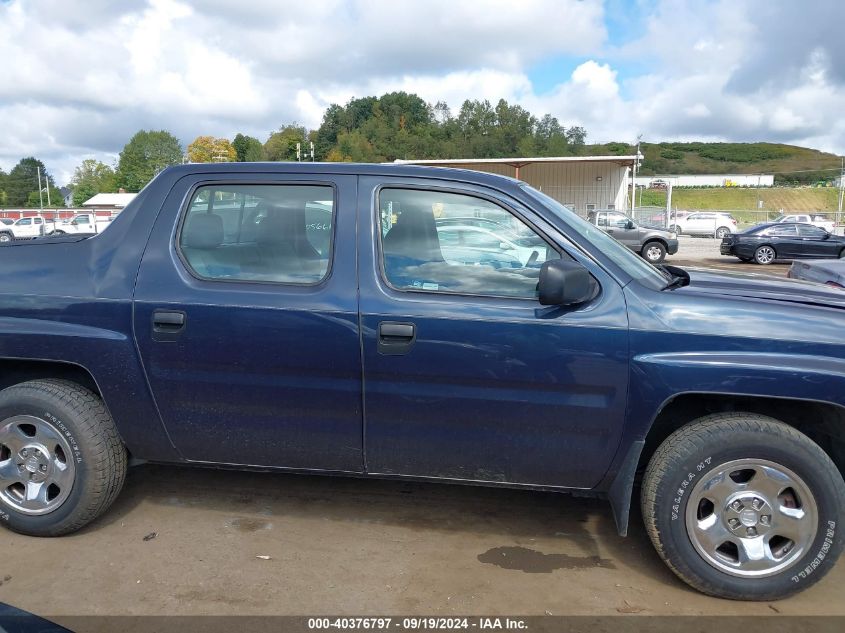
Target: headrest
203,230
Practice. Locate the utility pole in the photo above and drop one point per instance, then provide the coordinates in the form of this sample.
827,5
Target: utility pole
40,190
634,177
841,191
299,152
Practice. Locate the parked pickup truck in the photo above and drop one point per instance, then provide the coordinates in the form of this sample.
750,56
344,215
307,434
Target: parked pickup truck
308,318
25,228
652,242
82,223
806,218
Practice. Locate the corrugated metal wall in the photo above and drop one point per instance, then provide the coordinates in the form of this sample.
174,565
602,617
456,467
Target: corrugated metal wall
574,183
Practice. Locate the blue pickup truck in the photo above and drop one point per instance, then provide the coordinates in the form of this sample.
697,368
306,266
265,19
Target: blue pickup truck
318,318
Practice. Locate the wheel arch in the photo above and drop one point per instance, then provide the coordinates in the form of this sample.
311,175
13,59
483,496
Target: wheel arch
824,423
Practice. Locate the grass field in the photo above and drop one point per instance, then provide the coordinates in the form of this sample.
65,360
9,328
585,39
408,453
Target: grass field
774,199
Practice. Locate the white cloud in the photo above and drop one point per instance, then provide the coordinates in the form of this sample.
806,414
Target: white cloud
727,69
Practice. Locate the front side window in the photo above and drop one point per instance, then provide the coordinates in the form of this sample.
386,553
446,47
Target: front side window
454,243
25,222
273,233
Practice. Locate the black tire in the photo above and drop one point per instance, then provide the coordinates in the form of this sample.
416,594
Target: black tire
695,454
98,455
842,254
653,252
765,254
5,237
722,232
745,260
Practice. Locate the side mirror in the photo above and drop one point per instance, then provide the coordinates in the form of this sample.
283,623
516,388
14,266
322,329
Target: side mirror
630,224
564,283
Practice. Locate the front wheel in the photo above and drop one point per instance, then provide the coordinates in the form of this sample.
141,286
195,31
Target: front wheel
654,252
745,507
765,255
5,237
61,461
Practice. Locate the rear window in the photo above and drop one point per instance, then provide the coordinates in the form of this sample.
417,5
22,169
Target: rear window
270,233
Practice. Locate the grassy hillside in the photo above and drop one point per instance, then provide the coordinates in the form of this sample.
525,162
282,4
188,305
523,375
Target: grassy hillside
823,199
790,164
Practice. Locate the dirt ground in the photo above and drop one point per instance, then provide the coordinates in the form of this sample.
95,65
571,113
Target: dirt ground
353,546
192,541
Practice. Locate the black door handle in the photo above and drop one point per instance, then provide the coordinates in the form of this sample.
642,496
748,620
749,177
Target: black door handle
395,338
168,324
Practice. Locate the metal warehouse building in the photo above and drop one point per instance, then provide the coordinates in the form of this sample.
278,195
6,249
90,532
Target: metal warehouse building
583,183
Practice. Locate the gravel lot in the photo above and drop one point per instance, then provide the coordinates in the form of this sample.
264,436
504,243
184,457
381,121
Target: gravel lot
351,546
703,252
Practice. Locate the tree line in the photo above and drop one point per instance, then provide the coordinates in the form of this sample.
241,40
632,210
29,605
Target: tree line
368,129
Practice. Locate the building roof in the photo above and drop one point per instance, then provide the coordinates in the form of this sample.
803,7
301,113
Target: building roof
522,161
118,200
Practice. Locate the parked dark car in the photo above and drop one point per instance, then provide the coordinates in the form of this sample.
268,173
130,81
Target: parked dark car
764,243
307,317
823,271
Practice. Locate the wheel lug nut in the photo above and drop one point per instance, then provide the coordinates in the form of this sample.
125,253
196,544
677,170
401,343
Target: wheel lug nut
756,504
24,453
43,468
736,505
733,523
764,519
751,532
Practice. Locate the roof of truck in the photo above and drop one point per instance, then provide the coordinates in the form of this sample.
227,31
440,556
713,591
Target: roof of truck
353,169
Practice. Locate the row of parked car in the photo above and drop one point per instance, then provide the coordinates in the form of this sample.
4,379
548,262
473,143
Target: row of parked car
30,227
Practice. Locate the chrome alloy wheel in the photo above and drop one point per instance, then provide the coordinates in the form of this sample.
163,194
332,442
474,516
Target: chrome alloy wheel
751,518
653,253
765,255
36,465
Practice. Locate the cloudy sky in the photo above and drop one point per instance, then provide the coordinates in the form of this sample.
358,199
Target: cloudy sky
79,77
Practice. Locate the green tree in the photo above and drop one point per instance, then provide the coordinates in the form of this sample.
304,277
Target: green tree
23,180
282,144
53,201
144,156
207,149
90,178
247,149
4,177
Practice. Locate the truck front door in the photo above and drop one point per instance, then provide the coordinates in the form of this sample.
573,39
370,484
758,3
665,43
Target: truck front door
467,376
246,318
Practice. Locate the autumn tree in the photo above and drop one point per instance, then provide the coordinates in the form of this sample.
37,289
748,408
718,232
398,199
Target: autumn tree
145,155
208,149
90,178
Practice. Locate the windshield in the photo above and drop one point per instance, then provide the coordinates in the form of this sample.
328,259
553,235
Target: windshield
621,255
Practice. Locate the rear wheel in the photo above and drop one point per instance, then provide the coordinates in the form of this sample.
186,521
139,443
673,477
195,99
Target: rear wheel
5,237
765,255
654,252
745,507
722,232
61,461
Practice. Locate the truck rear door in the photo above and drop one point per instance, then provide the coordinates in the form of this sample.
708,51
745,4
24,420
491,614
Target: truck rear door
246,318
